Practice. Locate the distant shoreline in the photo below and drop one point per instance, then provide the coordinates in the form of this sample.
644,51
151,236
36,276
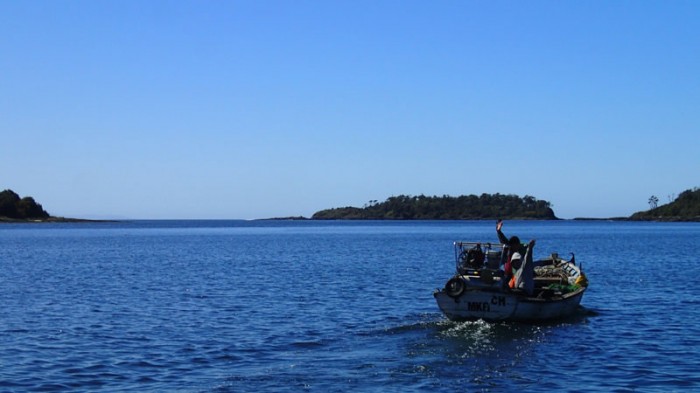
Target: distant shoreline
49,220
64,220
658,219
300,218
600,219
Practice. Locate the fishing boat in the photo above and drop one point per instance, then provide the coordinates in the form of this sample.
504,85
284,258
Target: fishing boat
478,289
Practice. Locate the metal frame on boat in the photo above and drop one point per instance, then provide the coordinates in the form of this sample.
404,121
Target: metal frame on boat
478,290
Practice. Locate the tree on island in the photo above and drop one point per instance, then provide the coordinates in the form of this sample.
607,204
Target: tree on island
653,202
14,207
465,207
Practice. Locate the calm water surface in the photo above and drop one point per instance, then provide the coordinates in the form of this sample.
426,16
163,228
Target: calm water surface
237,306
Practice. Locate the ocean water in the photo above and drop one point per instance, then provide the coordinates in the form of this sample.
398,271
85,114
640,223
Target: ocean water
290,306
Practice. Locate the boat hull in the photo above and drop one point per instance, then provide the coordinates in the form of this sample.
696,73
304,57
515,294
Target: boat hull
503,305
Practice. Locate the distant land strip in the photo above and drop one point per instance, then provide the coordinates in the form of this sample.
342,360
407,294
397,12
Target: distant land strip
685,208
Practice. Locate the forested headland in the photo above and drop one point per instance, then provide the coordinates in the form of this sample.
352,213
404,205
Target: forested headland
26,209
465,207
13,208
684,208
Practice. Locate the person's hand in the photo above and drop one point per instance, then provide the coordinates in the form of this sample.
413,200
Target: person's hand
532,243
499,225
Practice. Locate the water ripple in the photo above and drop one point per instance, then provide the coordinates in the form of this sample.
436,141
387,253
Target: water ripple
330,307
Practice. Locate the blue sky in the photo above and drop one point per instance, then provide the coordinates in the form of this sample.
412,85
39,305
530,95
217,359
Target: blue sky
256,109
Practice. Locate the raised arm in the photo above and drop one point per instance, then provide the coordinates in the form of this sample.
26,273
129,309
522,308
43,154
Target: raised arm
501,237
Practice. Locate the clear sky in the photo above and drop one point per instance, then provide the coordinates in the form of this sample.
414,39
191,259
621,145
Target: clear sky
257,109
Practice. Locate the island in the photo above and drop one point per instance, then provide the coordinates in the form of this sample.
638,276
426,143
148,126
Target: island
464,207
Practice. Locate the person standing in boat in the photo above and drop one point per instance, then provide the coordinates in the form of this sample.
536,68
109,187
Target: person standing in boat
524,276
514,246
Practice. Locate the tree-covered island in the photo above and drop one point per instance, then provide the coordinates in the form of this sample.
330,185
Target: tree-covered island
465,207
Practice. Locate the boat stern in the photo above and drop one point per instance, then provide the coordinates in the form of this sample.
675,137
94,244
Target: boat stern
467,301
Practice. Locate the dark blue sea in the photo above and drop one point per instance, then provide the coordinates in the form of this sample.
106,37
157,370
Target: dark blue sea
290,306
